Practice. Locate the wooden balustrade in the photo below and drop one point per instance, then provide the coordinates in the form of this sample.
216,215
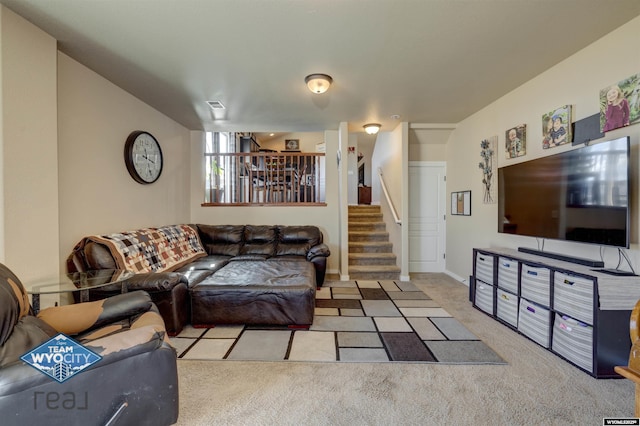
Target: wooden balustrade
264,178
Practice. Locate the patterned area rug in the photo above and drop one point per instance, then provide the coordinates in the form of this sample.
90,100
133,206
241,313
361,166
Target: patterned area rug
355,321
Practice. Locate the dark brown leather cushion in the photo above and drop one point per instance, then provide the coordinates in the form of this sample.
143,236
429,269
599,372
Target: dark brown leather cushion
259,240
98,256
208,263
221,239
297,240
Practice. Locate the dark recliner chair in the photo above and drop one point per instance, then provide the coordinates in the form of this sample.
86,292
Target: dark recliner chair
135,382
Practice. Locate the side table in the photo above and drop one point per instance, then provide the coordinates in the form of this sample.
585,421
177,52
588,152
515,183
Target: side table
79,282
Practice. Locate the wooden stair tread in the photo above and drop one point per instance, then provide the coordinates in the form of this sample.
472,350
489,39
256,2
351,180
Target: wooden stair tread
373,268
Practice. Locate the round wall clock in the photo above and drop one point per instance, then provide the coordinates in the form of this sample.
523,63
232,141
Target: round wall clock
143,157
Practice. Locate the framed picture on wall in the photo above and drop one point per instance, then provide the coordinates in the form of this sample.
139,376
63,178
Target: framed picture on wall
461,203
556,127
292,144
620,104
516,141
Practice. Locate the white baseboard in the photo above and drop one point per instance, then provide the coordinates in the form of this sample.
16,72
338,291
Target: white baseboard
464,281
405,278
344,277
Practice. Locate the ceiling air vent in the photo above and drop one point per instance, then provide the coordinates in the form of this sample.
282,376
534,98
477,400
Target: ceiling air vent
215,104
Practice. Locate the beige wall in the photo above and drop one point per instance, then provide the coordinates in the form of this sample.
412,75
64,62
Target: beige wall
325,217
352,169
366,149
29,153
389,156
576,81
97,194
308,141
428,144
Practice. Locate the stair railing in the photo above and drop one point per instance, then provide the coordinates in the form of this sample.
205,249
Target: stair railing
388,198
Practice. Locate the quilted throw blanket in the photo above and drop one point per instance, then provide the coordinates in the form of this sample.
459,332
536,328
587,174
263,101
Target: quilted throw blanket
153,249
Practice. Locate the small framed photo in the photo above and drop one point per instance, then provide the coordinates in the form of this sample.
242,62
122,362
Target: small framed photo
292,144
620,104
516,141
461,203
556,127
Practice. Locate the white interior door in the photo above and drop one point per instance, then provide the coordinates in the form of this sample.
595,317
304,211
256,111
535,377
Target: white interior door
427,209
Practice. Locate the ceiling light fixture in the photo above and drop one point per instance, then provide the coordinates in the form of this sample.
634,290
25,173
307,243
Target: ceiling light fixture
318,83
372,128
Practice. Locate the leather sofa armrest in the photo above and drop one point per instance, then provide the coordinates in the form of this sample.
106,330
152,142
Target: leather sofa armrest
152,282
81,317
128,343
155,281
318,250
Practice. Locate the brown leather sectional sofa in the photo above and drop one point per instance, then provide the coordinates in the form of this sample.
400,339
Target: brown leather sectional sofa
250,275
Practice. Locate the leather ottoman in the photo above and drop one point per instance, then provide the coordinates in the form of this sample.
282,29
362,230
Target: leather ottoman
256,292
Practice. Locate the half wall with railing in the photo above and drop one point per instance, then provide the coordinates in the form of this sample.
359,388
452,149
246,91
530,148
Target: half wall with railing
264,178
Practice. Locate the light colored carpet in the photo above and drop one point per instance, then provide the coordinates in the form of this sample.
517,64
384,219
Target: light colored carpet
536,387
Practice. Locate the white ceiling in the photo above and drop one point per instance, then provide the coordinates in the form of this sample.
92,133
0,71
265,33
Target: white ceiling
429,61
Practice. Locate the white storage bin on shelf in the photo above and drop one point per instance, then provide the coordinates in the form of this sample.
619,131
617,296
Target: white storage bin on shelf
573,340
573,296
535,284
507,307
484,297
508,274
534,321
484,267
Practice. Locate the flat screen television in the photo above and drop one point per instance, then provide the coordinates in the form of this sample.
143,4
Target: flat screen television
579,195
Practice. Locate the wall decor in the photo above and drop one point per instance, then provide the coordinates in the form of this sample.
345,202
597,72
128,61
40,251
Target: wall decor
516,141
488,165
292,144
461,203
620,104
556,127
143,157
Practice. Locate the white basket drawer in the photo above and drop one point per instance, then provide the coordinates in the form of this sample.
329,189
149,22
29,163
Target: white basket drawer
535,284
573,296
534,321
484,267
573,340
507,307
484,297
508,274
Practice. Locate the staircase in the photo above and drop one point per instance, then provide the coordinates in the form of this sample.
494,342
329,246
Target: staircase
370,256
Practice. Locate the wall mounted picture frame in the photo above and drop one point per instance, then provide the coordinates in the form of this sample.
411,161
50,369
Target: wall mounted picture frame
556,127
292,144
620,104
461,203
489,165
515,142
